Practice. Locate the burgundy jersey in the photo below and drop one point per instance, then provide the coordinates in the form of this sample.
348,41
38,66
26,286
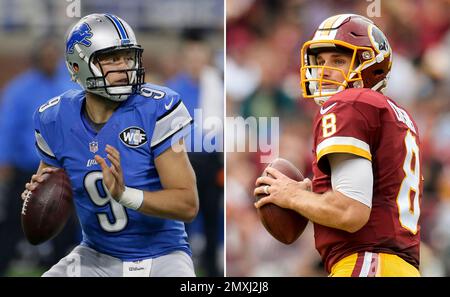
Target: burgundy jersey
370,125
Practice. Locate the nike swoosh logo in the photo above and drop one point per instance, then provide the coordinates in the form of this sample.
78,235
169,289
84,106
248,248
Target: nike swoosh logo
325,110
167,106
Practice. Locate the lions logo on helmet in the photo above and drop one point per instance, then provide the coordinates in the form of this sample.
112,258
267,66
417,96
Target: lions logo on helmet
79,35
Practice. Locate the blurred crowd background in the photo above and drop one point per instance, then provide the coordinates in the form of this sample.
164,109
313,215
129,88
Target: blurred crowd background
183,49
263,42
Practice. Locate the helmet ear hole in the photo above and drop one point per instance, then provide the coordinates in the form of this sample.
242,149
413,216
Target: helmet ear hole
379,75
75,67
378,72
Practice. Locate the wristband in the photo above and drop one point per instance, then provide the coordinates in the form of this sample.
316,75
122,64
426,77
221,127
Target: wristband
132,198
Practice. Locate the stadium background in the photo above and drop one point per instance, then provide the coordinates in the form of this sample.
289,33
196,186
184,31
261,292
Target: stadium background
263,42
182,39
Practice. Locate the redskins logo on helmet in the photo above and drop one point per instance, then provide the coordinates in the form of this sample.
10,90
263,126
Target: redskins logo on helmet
371,56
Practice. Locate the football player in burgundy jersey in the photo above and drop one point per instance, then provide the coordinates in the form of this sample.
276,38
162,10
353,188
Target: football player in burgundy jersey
367,185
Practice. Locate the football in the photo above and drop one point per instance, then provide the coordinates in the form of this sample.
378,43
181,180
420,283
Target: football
283,224
46,210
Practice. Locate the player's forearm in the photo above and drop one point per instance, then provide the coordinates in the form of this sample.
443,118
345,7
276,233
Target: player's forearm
330,209
177,204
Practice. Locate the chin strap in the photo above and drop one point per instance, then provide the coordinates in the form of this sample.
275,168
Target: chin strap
380,86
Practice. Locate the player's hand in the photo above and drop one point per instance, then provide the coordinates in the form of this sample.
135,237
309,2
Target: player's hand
35,180
282,190
112,176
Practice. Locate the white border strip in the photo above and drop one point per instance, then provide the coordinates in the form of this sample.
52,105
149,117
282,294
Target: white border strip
343,140
224,140
172,122
366,264
42,144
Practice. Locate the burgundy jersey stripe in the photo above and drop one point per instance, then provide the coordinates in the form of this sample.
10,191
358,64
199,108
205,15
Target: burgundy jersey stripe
358,265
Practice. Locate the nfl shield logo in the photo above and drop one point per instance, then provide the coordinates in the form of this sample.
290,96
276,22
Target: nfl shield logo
93,146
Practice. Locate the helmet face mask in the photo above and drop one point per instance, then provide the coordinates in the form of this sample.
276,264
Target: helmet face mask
100,83
95,37
371,57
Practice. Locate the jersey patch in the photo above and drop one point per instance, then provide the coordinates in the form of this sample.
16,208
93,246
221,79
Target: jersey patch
133,137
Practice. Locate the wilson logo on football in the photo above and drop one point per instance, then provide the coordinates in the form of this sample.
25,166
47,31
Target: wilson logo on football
133,137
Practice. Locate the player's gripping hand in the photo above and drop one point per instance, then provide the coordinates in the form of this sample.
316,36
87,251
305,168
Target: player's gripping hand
278,188
35,180
112,176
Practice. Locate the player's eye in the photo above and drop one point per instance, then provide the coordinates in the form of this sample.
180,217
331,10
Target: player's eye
339,62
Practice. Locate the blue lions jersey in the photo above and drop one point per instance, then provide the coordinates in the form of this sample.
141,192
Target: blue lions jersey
141,129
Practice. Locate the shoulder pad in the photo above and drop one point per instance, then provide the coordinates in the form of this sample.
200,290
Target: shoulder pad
50,109
365,96
156,92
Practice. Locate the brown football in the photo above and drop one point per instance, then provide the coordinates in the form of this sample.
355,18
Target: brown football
283,224
46,210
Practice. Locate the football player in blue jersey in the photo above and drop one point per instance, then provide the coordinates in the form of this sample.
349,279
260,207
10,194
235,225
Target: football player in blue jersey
120,141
